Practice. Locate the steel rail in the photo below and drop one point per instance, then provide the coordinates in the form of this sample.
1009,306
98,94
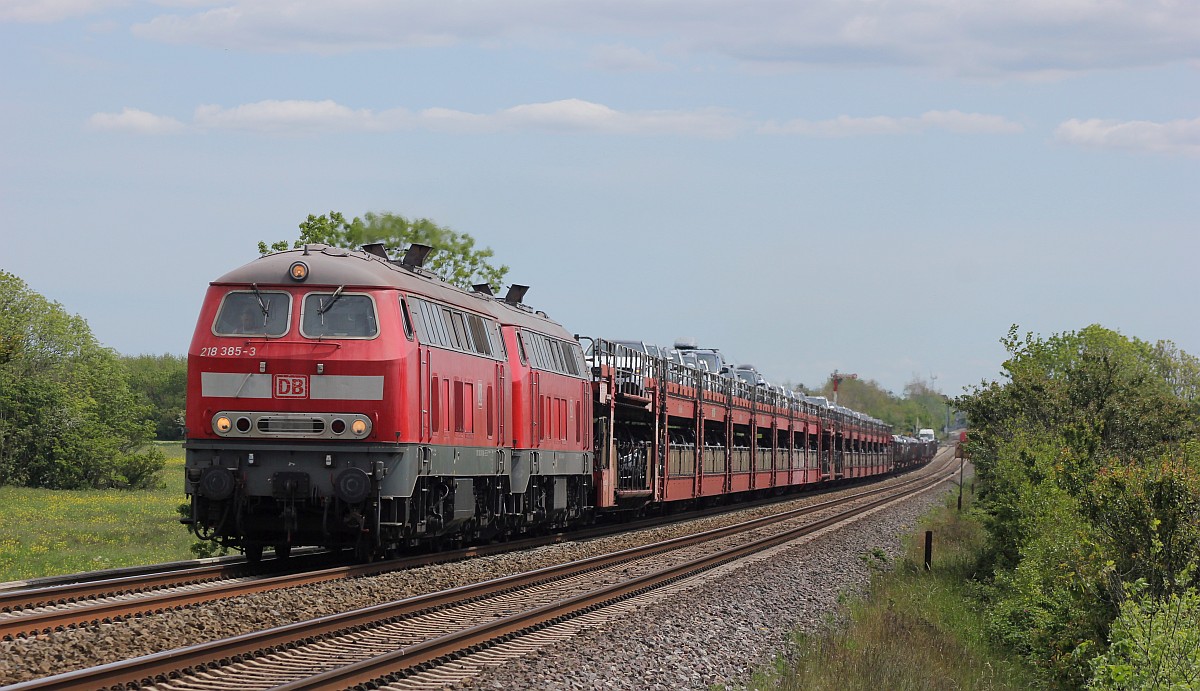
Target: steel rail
15,600
130,580
67,582
49,582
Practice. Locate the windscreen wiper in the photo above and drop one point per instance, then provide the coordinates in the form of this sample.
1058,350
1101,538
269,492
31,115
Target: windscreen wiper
325,306
264,306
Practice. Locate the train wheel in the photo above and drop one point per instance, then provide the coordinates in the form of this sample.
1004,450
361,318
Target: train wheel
365,553
253,554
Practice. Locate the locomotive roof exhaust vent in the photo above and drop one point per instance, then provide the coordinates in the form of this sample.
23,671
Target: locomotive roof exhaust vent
416,254
485,288
376,248
516,293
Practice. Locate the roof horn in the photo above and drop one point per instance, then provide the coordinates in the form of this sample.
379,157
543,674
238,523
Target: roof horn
516,293
376,248
416,254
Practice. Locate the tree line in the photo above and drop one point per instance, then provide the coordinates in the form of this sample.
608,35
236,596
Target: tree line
919,406
69,418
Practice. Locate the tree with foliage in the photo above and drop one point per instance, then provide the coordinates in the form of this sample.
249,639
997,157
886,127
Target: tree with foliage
160,382
68,419
1180,370
1089,484
920,403
456,259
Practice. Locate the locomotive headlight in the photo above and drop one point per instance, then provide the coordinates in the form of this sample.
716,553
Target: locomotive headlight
222,424
298,271
358,427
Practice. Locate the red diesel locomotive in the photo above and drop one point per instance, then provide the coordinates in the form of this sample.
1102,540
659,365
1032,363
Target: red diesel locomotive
340,399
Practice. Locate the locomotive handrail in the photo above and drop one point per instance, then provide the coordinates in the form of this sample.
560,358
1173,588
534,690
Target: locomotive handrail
284,340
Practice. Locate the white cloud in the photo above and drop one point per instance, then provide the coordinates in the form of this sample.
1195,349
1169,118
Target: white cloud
133,120
969,123
972,37
290,117
846,126
583,116
1174,137
298,117
310,117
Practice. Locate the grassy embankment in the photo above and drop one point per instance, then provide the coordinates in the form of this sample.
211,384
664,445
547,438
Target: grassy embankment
914,630
49,532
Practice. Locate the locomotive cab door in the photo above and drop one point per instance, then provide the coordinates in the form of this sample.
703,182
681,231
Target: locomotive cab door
423,379
535,402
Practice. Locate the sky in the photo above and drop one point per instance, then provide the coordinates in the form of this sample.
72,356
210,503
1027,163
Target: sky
880,188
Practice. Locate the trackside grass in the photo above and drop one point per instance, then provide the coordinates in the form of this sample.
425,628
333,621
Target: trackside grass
50,532
914,630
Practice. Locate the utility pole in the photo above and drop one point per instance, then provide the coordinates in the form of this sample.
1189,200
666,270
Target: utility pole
837,378
960,452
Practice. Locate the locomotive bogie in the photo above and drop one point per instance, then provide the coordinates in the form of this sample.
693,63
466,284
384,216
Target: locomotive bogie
278,494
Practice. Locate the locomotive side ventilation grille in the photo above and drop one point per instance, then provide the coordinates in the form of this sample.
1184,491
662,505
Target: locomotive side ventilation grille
290,425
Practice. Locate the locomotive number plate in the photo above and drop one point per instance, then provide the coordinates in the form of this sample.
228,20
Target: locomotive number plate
228,351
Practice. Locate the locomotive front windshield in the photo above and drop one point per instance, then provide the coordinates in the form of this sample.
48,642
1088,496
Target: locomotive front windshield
253,313
338,315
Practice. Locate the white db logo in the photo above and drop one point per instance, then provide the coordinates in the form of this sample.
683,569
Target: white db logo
291,385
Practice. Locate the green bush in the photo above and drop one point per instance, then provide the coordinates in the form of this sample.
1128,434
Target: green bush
1148,518
1054,599
1154,644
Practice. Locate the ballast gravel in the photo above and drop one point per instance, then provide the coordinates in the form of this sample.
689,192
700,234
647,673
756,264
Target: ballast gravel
719,631
716,638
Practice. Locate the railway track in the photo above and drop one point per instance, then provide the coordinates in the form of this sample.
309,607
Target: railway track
103,598
113,595
426,634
